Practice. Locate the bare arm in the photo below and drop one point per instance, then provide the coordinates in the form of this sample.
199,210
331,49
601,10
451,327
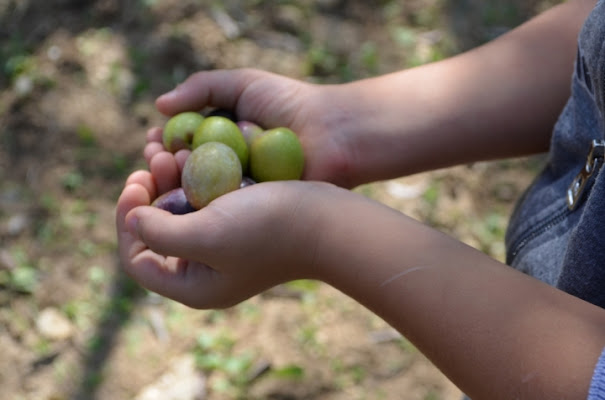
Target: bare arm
498,100
496,333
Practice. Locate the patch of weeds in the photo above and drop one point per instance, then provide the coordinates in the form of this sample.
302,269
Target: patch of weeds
290,372
175,317
21,68
304,285
81,312
95,343
428,16
119,166
93,379
42,347
497,13
379,394
86,136
134,340
19,64
62,371
348,375
122,305
426,54
214,354
367,190
490,232
97,276
17,54
321,62
49,203
407,346
24,278
404,36
220,343
215,316
432,395
92,219
139,59
248,310
306,288
370,57
431,194
306,335
72,181
49,232
392,10
87,248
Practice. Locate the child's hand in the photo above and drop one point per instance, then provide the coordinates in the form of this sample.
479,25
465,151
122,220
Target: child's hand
239,245
318,114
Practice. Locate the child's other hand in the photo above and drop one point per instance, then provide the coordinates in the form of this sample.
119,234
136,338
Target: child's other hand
239,245
317,113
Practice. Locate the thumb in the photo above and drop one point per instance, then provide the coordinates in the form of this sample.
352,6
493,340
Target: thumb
167,234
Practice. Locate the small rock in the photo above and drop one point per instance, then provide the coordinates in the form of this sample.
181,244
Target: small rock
54,53
158,325
227,24
24,85
53,325
182,382
17,224
385,336
400,190
7,261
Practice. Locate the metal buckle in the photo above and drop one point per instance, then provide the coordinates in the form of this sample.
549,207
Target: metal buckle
575,190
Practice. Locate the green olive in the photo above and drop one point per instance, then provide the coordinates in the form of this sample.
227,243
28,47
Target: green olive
211,170
179,130
221,129
275,155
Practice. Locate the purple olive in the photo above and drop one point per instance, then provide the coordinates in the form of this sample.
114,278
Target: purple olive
174,202
249,130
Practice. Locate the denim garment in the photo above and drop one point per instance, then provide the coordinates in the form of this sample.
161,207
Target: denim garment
562,247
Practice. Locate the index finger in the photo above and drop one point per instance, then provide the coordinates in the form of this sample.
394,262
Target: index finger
220,88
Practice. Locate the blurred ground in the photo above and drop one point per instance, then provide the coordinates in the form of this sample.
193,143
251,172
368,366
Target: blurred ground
77,84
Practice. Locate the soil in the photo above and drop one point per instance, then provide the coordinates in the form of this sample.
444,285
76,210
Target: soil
76,97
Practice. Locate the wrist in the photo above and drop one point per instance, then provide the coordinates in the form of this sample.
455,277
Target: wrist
357,242
386,124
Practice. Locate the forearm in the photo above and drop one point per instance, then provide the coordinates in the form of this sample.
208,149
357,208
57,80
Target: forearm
499,100
495,332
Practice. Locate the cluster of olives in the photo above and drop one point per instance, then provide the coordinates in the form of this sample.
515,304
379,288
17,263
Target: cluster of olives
226,155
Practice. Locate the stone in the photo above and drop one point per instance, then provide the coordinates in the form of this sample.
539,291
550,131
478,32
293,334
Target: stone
182,381
53,325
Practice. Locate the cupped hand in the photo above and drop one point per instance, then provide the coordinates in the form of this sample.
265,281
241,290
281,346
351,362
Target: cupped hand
239,245
319,114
